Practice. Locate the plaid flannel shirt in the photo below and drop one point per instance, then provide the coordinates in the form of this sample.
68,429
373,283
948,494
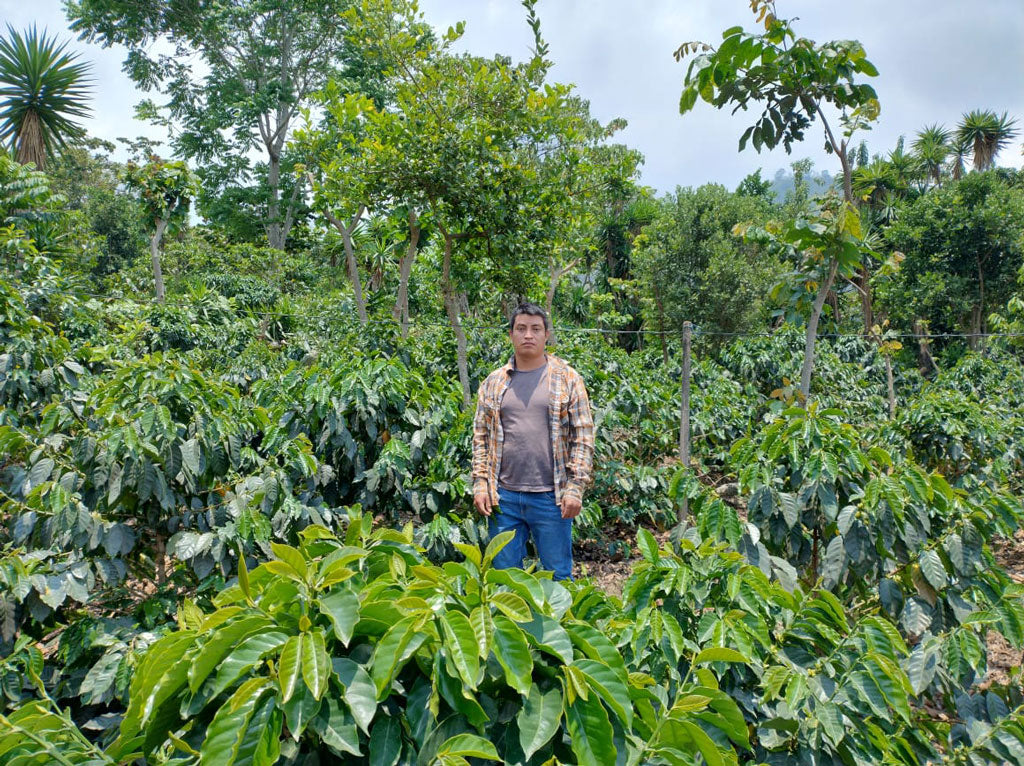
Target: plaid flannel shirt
569,419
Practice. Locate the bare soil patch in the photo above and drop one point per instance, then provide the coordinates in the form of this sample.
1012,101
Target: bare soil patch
1009,552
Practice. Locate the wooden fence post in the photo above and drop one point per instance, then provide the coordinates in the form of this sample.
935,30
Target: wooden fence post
684,411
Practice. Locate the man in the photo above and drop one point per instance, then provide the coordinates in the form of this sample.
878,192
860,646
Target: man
533,447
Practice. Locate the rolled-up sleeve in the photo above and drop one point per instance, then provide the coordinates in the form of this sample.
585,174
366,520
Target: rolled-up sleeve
481,445
580,464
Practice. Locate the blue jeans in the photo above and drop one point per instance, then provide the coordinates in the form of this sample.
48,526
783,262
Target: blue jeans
535,513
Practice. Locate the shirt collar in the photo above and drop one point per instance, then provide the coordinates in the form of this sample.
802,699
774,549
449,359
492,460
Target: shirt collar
550,359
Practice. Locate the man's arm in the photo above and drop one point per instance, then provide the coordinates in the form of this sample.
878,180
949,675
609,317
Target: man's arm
581,441
481,463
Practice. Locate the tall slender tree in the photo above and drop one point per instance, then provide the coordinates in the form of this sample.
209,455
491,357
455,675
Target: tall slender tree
43,92
932,147
797,81
985,134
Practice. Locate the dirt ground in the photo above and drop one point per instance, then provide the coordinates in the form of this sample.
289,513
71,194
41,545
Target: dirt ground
610,575
1002,656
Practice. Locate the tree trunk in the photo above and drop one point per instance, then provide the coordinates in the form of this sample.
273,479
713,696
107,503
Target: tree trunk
401,310
924,355
866,308
811,334
974,332
452,309
275,230
350,258
31,147
863,278
980,323
661,323
892,387
555,274
154,252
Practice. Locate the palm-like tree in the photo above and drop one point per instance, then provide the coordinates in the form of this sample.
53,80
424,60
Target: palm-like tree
43,90
958,154
986,134
931,149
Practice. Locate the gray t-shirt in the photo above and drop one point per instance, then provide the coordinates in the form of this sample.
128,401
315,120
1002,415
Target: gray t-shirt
527,464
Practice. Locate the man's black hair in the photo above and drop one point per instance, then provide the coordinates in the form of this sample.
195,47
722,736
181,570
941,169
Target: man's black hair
531,309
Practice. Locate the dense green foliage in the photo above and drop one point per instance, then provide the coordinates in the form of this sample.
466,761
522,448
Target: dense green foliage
237,522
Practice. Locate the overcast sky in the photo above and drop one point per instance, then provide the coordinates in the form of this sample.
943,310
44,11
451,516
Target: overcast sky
936,59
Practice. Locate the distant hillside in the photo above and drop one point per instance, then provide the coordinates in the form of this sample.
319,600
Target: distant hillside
783,183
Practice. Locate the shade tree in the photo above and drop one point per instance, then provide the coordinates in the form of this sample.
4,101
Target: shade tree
166,189
963,248
483,151
696,270
797,82
261,60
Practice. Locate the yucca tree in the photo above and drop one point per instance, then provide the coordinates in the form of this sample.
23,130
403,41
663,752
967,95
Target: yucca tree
958,154
931,149
43,90
985,134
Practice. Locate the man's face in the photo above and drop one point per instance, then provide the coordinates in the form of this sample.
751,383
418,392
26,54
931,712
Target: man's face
529,335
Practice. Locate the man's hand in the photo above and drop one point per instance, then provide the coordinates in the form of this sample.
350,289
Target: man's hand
571,507
482,502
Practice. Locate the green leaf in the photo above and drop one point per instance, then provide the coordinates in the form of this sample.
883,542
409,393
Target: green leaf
835,559
518,581
40,472
471,552
538,720
336,727
921,667
789,502
190,456
495,546
933,569
868,691
243,575
386,741
160,675
242,659
289,667
483,629
316,665
831,718
300,710
341,605
512,606
595,645
389,653
590,732
360,693
468,746
547,633
916,616
708,749
513,653
460,647
719,654
689,703
610,687
236,723
647,544
292,557
687,99
219,644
